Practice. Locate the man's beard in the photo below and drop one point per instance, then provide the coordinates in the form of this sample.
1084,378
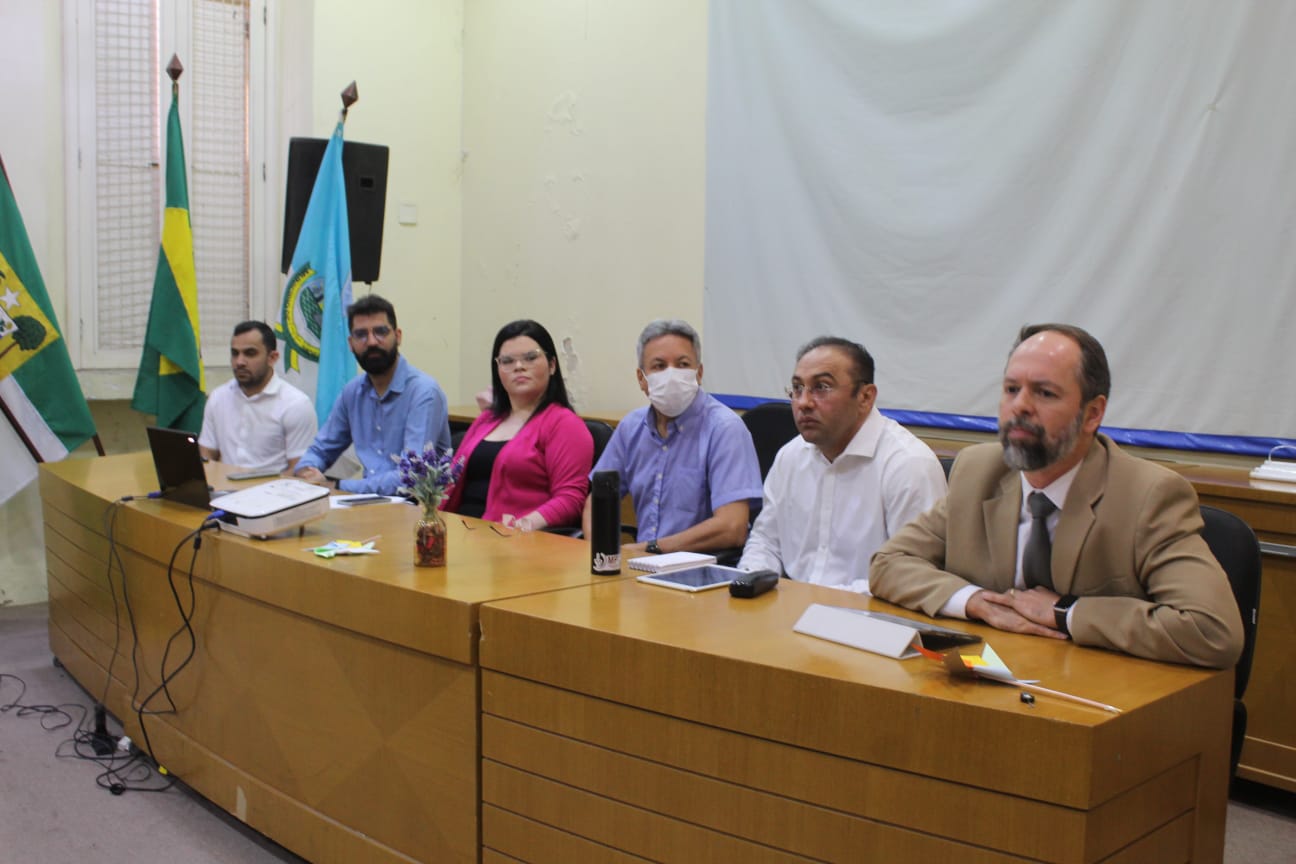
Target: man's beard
1042,452
253,381
376,361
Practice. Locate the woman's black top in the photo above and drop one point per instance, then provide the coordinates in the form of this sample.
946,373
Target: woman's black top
476,477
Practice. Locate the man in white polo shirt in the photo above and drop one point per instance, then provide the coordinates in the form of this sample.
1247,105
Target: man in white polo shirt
257,421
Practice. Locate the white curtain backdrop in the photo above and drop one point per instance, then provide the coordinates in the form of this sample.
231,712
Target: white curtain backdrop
925,177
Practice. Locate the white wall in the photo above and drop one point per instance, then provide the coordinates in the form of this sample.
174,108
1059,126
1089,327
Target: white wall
584,126
31,138
406,57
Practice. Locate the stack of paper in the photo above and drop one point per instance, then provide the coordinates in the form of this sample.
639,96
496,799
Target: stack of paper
671,561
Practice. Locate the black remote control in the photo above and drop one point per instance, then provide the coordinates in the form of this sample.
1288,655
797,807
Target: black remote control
753,584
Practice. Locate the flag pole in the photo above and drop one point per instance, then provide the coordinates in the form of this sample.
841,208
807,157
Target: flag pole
349,97
22,435
27,442
171,382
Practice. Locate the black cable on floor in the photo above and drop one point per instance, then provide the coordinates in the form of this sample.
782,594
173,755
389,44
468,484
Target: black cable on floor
61,717
123,771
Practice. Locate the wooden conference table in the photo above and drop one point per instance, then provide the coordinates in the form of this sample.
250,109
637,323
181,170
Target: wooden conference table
331,704
1269,752
509,708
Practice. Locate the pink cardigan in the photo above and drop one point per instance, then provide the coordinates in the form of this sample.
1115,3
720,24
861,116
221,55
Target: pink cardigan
544,467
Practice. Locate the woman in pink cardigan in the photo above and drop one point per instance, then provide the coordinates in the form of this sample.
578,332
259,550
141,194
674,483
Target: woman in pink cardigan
527,458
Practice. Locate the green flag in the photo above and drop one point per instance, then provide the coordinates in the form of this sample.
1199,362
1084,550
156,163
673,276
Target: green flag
170,382
43,413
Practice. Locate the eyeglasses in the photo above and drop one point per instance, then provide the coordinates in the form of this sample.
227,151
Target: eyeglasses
361,334
527,359
818,390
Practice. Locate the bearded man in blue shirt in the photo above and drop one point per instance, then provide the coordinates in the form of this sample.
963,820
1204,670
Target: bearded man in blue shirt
391,408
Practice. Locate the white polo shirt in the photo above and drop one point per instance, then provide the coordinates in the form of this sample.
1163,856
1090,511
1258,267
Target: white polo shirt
261,432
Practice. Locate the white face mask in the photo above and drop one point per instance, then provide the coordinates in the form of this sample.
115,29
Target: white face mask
671,391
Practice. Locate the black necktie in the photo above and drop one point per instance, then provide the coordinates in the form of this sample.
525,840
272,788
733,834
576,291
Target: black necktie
1036,569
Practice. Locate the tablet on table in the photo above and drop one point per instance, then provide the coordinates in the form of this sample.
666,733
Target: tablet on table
694,578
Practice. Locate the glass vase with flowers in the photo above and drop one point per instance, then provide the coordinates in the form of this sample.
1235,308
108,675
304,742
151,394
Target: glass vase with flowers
427,477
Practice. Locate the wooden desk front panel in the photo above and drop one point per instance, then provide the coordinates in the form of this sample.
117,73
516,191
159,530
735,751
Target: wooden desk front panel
341,746
678,727
599,772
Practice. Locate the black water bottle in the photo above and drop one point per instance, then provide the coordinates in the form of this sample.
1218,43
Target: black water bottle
605,523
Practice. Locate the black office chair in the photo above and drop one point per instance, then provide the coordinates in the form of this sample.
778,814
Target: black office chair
947,462
771,426
1234,545
601,433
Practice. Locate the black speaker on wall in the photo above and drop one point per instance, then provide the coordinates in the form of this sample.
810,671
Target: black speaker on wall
364,171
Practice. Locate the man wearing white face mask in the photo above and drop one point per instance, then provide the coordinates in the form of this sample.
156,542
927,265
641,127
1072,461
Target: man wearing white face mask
686,460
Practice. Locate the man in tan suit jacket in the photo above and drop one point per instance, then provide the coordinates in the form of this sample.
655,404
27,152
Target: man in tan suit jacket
1129,569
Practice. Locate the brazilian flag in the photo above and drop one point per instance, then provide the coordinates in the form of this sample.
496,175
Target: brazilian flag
170,383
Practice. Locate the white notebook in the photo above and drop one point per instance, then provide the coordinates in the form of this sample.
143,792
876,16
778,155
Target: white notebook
671,561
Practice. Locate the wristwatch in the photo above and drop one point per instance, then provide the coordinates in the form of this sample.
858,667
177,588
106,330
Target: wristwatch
652,548
1064,603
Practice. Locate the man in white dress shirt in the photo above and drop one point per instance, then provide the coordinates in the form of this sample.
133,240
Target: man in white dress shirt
847,483
257,420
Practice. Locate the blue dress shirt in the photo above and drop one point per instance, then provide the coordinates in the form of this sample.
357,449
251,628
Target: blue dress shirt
707,460
410,414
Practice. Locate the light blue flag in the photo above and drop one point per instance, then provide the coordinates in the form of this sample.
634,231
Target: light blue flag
313,323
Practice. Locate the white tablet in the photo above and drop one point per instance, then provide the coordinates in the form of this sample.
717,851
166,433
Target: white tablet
694,578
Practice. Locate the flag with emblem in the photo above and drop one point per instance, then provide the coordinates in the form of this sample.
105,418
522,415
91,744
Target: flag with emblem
313,319
170,382
44,411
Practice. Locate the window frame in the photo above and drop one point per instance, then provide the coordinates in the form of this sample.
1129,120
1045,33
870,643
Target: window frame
110,373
